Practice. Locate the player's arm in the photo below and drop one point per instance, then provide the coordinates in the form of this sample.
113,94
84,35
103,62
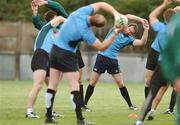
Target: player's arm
153,17
38,23
53,5
58,8
105,7
144,38
134,18
177,9
106,43
57,20
138,19
53,23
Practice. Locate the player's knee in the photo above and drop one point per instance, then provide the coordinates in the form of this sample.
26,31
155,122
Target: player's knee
147,81
74,87
93,82
80,82
38,86
120,83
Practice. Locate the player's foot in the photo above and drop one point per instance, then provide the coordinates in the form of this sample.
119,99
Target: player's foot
86,109
168,112
84,122
132,108
138,123
151,115
32,115
150,118
50,120
55,114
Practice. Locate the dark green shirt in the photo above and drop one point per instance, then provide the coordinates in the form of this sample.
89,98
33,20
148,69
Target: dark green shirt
53,5
171,53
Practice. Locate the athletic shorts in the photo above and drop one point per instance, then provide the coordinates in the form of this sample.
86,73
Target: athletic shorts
63,60
80,60
158,78
40,60
104,63
152,59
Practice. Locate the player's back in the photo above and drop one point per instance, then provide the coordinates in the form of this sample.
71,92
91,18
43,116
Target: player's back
73,29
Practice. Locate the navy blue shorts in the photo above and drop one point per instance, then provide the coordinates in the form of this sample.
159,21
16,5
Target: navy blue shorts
104,63
80,60
40,60
152,59
63,60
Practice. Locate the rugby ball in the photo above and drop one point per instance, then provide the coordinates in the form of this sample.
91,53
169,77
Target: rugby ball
121,21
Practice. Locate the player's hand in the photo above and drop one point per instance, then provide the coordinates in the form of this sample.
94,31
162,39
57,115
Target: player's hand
167,2
40,2
145,24
34,8
119,29
176,0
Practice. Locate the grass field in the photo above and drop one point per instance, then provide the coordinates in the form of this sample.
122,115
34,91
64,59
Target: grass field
108,106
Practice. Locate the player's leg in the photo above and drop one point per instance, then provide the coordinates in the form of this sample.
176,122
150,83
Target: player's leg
123,90
81,65
156,83
38,78
55,76
172,103
81,90
89,63
151,64
148,103
148,76
156,102
73,78
89,93
178,109
90,89
54,113
98,69
39,66
177,90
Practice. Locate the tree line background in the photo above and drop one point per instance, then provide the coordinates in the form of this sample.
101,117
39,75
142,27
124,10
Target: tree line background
15,10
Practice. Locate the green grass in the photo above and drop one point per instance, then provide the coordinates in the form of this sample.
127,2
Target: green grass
108,106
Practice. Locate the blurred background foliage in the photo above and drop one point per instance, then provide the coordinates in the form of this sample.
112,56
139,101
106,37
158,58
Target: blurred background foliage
20,10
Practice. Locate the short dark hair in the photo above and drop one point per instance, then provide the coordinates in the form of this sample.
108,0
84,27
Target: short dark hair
49,15
98,20
136,28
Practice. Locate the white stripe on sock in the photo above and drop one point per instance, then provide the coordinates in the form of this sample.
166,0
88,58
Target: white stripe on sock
48,100
72,101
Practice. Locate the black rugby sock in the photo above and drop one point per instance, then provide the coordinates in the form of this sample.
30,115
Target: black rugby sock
146,91
50,94
125,95
76,100
89,92
81,93
172,101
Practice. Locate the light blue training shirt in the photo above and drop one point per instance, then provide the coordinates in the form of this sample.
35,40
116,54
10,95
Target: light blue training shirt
161,30
161,37
120,42
76,29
